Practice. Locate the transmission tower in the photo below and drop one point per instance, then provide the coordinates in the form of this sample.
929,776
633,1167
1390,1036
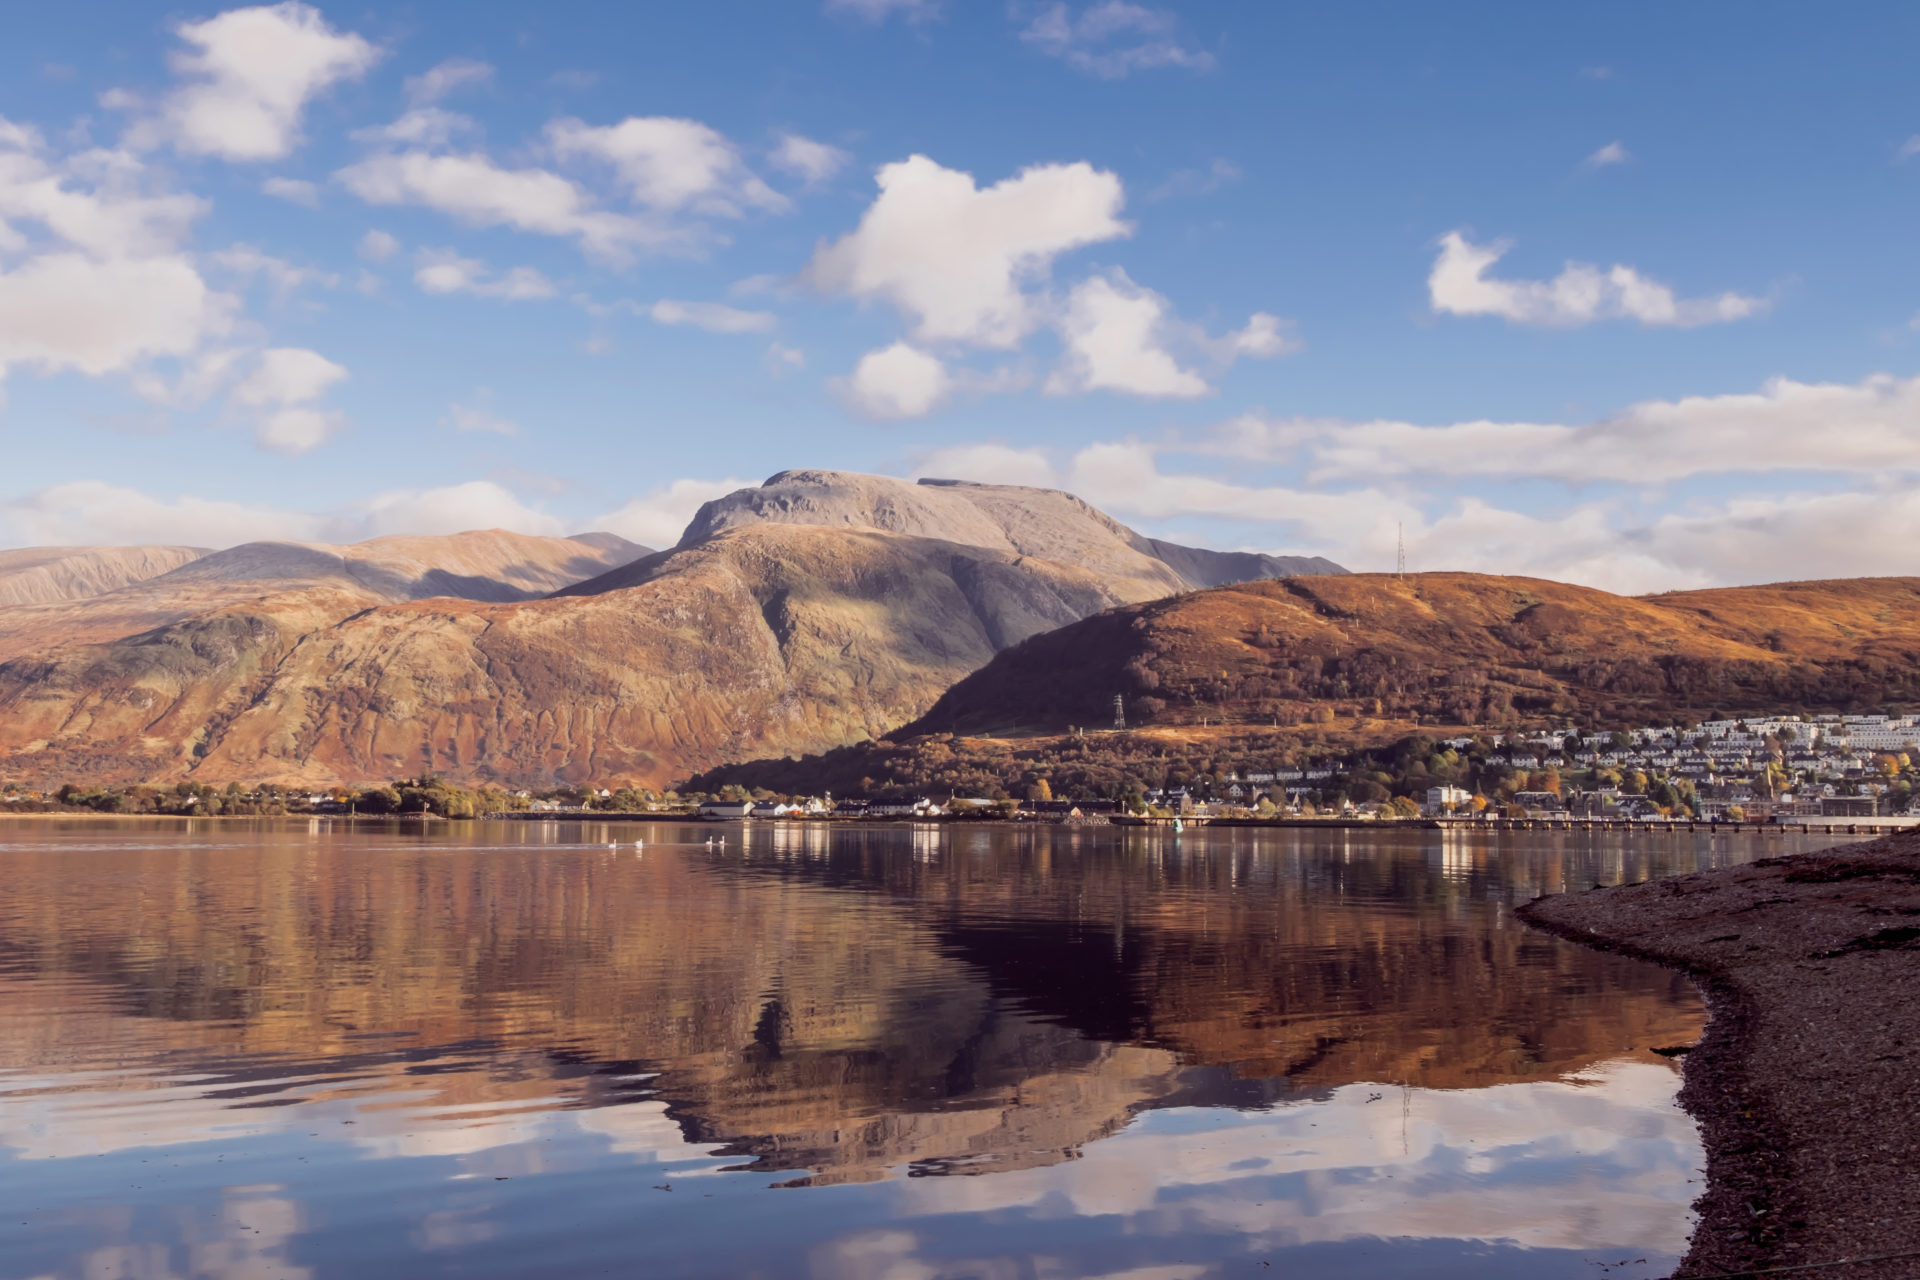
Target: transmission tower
1399,550
1119,712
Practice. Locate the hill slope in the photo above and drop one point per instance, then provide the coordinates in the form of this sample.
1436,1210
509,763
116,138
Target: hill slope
44,575
1453,649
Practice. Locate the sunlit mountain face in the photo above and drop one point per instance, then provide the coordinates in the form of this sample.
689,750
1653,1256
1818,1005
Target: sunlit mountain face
1227,1041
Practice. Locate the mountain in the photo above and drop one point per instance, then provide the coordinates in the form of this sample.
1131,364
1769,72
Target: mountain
1453,649
486,565
43,575
1043,523
817,610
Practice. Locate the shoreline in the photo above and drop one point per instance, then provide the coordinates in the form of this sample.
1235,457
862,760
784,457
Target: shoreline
1805,1081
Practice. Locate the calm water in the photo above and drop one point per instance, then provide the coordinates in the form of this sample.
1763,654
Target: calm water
300,1050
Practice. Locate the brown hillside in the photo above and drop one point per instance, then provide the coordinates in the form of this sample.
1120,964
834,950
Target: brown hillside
763,639
1453,649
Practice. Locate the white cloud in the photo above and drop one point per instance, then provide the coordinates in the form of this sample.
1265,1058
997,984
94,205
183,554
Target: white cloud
1580,294
103,202
714,317
670,165
478,416
66,311
474,190
810,161
782,358
377,246
657,519
424,126
441,80
881,10
297,429
293,191
287,375
1115,335
281,390
1121,337
1866,428
988,462
251,73
1124,477
477,504
1613,153
444,271
899,381
94,513
283,277
1113,38
1908,149
956,259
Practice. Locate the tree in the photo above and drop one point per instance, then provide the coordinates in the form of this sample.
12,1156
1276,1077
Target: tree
1040,790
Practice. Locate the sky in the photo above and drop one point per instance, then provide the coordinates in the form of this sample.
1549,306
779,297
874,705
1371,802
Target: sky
1622,295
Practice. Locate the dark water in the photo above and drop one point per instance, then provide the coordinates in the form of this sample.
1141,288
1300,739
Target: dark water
885,1053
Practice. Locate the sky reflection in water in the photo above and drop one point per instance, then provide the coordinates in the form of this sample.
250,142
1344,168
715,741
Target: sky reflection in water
291,1050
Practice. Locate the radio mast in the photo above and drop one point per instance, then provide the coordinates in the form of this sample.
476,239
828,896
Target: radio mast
1119,712
1399,550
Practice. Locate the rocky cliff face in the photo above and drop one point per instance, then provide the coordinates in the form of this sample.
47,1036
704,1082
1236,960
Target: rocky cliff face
815,611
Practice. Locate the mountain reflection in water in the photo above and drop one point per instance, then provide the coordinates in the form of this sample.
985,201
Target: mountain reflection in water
507,1049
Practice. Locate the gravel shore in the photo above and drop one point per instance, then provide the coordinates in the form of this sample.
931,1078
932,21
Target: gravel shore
1807,1083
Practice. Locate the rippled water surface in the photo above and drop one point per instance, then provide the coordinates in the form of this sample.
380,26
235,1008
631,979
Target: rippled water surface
306,1050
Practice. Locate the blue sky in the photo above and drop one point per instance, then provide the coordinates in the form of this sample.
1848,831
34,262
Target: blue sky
1619,295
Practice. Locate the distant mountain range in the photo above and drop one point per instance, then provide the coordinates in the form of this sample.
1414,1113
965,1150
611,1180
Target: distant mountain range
818,609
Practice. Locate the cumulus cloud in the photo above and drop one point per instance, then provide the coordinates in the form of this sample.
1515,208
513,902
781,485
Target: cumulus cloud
670,165
714,317
812,162
1613,153
441,80
988,462
1580,294
68,311
1113,39
293,191
477,504
377,246
1863,428
444,271
957,260
1115,334
471,188
1122,337
899,381
281,391
99,284
658,518
249,75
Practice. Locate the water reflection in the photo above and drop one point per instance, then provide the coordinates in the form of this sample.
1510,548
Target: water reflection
510,1049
